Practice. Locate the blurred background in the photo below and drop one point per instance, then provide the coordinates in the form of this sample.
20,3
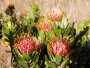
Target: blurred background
75,10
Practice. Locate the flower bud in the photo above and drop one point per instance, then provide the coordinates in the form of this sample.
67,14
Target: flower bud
45,26
55,14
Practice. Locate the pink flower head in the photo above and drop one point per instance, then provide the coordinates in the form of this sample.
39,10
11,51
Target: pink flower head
25,44
55,14
58,47
44,26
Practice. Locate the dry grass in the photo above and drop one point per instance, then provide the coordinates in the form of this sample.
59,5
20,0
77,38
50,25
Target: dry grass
75,10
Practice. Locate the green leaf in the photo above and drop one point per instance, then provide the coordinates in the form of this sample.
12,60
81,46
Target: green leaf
83,40
36,12
68,32
23,64
1,15
34,29
9,25
52,64
26,57
20,63
58,58
63,22
80,26
16,52
35,8
86,23
50,34
57,32
51,56
53,24
79,36
64,62
49,64
18,59
46,61
41,36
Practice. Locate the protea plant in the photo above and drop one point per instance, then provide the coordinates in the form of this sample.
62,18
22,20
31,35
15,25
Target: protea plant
58,50
59,47
44,26
55,14
25,44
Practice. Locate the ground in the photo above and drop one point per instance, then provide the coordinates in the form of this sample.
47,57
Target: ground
5,56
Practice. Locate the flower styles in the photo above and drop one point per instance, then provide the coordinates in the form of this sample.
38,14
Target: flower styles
55,14
59,47
25,43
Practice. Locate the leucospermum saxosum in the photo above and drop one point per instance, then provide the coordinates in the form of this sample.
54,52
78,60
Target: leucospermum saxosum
59,47
44,26
55,14
25,43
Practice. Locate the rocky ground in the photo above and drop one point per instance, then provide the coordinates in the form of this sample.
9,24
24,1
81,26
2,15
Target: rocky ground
5,56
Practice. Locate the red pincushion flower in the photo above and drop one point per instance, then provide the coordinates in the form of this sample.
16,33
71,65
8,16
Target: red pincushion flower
45,26
59,47
55,14
25,44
